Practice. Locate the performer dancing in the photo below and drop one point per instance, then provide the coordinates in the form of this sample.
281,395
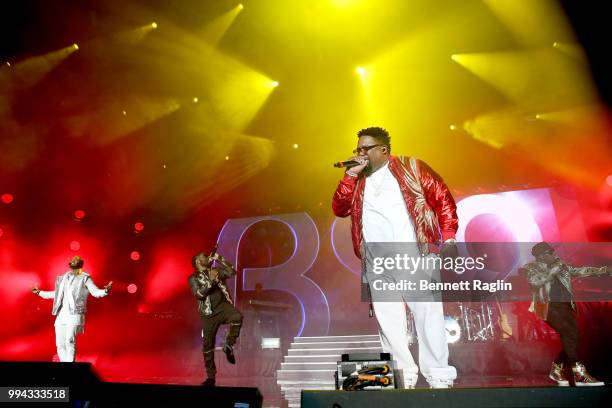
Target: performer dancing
553,301
401,199
215,307
70,306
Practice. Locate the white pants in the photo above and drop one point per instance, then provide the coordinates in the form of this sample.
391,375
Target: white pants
65,341
433,348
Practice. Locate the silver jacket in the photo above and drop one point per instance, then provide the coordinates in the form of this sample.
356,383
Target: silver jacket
81,287
201,284
540,276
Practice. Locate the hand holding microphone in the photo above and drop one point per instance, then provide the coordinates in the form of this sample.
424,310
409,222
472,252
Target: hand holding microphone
355,165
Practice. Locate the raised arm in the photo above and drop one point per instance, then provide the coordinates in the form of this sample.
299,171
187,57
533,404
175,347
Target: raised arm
343,197
226,270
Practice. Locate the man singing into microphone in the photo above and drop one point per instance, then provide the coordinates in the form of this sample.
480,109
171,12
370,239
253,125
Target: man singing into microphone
215,307
401,199
70,306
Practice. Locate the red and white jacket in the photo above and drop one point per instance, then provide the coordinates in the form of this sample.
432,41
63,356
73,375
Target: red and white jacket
430,205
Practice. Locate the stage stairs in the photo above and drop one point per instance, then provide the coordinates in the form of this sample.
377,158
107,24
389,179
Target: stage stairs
311,362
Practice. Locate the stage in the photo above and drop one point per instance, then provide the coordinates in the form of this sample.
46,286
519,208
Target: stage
181,177
84,386
554,397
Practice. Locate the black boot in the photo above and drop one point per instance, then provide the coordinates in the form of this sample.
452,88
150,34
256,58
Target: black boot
229,353
209,382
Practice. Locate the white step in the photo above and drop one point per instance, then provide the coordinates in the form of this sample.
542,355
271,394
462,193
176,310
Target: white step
334,351
323,358
315,365
311,362
301,375
364,337
335,344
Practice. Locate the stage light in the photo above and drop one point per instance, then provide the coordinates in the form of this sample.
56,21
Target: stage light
75,46
452,127
79,214
139,226
226,157
274,84
455,57
124,112
240,6
135,255
609,180
8,64
154,25
360,71
195,99
75,245
295,146
270,343
132,288
7,198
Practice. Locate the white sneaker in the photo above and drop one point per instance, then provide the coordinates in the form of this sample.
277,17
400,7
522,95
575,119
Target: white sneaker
435,383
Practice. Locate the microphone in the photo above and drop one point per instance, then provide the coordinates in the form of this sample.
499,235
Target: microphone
212,253
348,163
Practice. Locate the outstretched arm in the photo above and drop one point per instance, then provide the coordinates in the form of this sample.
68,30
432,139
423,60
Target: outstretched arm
45,294
586,271
94,290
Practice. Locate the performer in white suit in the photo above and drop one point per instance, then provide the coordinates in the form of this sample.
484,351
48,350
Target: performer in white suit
70,306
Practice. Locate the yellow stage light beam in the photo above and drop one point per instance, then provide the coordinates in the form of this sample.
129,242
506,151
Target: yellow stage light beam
414,88
231,159
214,31
108,123
369,105
30,71
250,155
496,129
224,80
572,49
135,35
588,119
227,94
533,23
567,143
535,79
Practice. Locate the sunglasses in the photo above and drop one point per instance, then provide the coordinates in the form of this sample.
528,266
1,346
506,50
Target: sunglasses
366,149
